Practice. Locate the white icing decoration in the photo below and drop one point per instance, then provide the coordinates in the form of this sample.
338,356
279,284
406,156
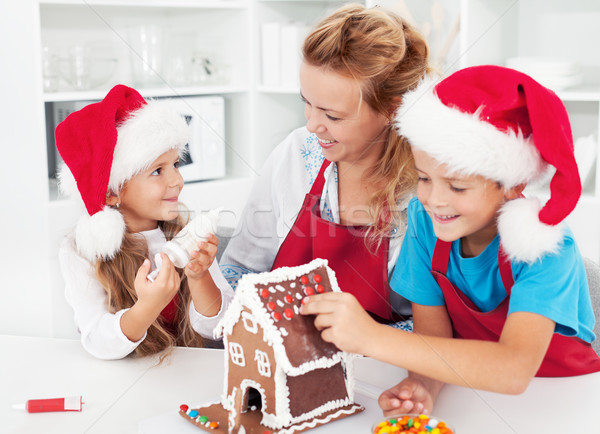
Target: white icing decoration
263,363
299,296
236,352
279,303
272,290
293,285
283,331
249,322
296,310
280,288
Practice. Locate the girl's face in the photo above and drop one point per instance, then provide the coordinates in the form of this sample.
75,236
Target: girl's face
348,130
460,207
152,195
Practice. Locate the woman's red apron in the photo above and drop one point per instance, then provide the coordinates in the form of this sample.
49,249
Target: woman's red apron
359,271
566,356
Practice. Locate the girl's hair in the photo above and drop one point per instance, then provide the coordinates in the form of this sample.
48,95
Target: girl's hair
387,57
117,276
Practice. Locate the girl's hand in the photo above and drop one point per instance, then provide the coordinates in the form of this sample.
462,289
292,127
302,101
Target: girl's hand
411,395
341,320
156,295
202,258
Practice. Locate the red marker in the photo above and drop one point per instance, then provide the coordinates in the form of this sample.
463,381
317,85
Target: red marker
71,403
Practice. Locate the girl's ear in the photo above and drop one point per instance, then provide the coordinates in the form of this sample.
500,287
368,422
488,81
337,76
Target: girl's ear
514,192
112,199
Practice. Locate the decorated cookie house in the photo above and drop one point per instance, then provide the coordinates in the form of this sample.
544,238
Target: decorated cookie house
279,373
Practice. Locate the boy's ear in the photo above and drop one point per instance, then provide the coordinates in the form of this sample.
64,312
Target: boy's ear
514,192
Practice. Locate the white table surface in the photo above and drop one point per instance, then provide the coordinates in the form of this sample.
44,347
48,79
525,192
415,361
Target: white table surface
129,396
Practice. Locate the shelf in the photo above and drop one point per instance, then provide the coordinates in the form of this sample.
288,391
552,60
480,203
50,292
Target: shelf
583,93
146,93
196,4
279,90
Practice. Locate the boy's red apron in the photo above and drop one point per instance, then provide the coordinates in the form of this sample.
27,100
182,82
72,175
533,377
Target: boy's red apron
566,356
358,271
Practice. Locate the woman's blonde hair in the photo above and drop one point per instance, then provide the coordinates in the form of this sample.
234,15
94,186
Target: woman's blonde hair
387,57
117,276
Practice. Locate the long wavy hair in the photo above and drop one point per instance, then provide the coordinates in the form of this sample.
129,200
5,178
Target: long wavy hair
117,276
386,57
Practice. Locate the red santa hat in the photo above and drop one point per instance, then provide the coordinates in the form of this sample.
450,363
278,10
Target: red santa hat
104,145
501,124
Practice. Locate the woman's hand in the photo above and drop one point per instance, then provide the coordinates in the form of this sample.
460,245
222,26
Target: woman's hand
202,258
341,320
411,395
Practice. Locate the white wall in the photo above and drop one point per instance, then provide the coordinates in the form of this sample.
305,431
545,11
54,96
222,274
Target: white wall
25,306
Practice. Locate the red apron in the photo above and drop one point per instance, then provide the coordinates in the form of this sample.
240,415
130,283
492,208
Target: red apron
358,271
565,357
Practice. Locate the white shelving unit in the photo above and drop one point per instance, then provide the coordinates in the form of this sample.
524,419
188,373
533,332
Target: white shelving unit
257,116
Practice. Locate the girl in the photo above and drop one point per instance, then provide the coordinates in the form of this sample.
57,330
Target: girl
498,286
338,187
122,155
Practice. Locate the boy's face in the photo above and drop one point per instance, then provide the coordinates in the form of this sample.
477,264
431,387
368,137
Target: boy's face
152,194
460,207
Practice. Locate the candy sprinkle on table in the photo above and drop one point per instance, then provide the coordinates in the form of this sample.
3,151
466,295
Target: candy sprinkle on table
420,424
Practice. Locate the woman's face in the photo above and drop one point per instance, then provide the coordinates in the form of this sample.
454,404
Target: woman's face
348,130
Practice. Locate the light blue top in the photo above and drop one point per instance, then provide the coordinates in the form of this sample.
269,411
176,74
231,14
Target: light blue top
555,286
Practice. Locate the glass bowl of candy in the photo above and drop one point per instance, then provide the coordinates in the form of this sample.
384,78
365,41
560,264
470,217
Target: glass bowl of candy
412,423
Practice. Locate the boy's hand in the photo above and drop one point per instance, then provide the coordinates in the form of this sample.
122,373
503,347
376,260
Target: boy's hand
341,320
202,258
409,396
157,294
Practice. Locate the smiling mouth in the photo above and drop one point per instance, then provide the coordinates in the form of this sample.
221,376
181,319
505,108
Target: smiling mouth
444,218
327,143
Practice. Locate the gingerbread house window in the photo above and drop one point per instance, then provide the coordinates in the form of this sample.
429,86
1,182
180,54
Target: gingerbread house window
249,322
237,354
263,363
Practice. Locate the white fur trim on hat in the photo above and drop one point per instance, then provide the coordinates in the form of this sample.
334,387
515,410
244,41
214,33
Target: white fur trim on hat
99,236
465,143
522,235
67,184
150,131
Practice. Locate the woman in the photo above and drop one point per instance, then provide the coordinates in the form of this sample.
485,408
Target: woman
338,188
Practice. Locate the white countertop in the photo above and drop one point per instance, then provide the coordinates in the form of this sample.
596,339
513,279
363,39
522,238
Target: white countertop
129,396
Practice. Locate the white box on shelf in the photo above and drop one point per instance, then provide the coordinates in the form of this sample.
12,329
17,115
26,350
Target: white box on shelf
270,54
292,38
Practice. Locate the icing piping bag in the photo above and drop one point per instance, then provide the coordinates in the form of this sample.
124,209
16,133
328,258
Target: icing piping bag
70,403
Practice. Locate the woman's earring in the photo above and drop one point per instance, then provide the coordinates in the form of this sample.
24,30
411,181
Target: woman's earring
118,205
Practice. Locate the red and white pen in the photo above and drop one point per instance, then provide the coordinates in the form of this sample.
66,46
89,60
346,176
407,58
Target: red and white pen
71,403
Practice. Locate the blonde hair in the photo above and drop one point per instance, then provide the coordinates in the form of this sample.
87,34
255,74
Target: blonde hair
387,57
117,277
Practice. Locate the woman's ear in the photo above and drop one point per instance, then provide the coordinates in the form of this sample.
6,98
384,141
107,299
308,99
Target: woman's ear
514,192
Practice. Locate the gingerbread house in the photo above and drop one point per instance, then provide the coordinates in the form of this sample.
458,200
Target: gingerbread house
280,375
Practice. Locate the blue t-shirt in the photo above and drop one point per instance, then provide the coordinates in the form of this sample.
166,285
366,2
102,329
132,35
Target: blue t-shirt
555,286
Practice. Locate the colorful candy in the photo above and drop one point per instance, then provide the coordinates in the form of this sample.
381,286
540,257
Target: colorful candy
412,424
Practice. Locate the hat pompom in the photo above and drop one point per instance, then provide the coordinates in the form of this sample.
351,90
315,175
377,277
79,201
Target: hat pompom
522,235
99,236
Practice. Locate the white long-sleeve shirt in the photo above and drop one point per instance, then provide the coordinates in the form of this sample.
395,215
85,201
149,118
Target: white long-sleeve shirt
101,333
274,203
